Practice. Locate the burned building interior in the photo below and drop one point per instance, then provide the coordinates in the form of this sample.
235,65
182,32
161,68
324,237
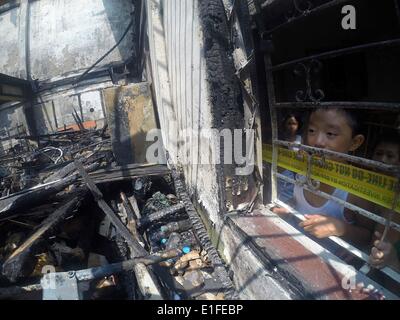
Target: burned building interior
67,202
84,215
49,217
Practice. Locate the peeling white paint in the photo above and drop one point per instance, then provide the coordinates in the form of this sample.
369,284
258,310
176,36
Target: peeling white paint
71,35
63,36
178,63
10,62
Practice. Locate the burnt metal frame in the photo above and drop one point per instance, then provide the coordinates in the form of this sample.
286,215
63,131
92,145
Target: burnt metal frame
24,85
304,13
141,39
391,106
274,106
9,5
248,97
336,53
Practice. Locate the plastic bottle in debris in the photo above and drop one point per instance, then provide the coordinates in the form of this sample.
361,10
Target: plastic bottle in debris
188,239
186,249
173,241
176,226
177,296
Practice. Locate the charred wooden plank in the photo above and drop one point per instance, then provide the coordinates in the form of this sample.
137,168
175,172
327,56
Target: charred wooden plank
13,266
54,134
129,210
134,204
140,168
24,224
34,196
128,172
121,228
62,173
78,120
144,276
161,214
39,212
70,168
126,207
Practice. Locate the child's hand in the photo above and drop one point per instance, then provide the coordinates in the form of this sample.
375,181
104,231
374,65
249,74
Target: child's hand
374,294
322,226
280,211
382,253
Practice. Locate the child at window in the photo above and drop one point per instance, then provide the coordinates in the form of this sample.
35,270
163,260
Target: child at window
387,252
290,129
336,130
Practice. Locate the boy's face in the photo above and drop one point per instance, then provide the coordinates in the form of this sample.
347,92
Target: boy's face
329,129
387,152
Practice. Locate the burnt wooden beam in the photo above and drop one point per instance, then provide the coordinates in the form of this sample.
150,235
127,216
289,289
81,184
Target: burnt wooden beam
128,172
14,265
78,121
34,196
69,169
6,5
161,214
121,228
127,206
39,212
131,214
14,89
49,135
62,173
134,204
144,276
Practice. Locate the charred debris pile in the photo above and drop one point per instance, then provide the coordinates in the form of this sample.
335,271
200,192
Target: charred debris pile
75,225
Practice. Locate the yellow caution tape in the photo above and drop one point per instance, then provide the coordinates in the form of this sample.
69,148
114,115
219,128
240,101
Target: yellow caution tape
369,185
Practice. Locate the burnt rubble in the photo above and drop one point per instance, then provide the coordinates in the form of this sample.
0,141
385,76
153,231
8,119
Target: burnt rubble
76,225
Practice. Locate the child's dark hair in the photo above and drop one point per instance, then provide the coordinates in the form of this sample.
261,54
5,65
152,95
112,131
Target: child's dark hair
354,119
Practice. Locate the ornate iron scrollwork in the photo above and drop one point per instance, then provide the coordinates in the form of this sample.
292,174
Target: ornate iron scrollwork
312,184
300,8
307,70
